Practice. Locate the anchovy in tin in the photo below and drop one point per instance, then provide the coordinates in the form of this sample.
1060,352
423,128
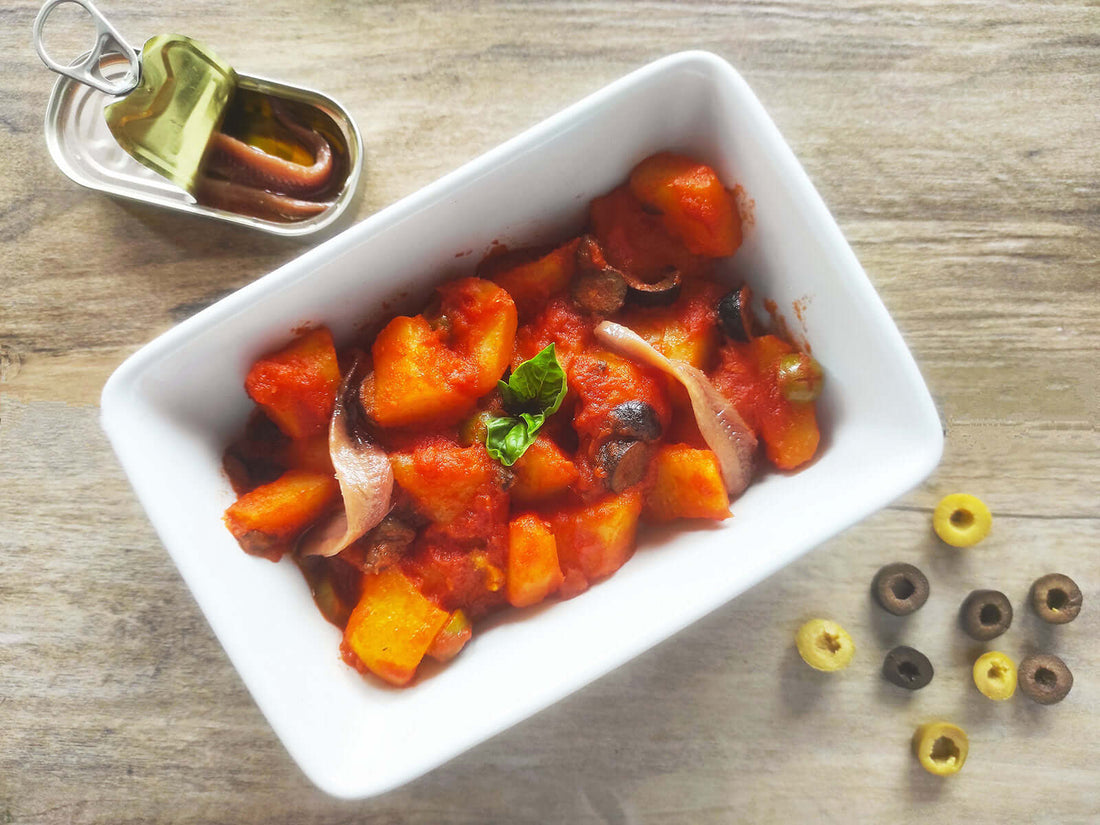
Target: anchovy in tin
208,139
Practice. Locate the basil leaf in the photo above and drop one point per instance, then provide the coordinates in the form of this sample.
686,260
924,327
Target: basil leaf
507,438
536,384
534,390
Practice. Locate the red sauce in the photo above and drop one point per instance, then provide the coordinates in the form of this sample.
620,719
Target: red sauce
446,541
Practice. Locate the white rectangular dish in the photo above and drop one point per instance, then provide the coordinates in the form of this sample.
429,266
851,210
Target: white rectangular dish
172,408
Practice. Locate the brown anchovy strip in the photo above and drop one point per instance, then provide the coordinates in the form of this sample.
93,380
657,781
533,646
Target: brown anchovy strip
246,180
363,470
244,200
250,166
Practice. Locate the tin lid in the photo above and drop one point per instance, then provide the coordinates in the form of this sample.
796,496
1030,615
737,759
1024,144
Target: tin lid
166,122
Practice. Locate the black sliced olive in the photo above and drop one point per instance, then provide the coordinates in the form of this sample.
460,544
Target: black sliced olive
637,420
625,463
986,614
1044,678
907,668
597,287
1056,598
735,314
602,291
661,293
900,588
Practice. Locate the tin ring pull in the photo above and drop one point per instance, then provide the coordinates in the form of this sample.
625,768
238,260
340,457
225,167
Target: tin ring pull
107,41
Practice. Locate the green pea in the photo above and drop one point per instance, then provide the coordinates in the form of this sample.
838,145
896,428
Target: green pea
800,378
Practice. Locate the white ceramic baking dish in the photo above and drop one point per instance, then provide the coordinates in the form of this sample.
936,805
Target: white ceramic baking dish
170,410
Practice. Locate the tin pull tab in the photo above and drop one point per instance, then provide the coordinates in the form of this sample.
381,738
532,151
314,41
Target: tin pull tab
107,42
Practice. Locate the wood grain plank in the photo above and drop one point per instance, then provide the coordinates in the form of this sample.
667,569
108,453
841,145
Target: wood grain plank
955,143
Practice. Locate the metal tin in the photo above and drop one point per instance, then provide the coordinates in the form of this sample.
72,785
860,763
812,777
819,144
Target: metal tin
166,121
82,144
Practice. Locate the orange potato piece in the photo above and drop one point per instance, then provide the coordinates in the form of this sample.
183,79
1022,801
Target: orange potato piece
542,472
747,376
789,429
297,385
694,204
688,485
433,371
594,540
532,283
602,380
686,330
417,378
310,453
441,476
636,241
266,520
452,638
392,627
533,572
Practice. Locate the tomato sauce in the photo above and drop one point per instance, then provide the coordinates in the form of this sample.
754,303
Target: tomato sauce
525,457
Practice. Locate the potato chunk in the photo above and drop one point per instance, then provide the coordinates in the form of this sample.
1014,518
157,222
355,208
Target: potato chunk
693,203
266,520
542,472
441,476
393,626
433,370
533,572
531,283
297,385
688,485
594,540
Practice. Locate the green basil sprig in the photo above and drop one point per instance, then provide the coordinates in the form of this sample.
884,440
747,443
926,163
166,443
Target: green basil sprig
534,391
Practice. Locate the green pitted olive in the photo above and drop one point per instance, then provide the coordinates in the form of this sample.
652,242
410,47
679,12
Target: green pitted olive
472,430
800,377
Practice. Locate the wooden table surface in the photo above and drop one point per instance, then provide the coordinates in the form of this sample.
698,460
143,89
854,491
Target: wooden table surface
957,145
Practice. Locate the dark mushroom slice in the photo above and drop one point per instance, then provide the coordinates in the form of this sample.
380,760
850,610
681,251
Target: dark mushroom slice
986,614
900,588
735,314
1056,598
659,293
637,420
624,462
907,668
1044,678
601,291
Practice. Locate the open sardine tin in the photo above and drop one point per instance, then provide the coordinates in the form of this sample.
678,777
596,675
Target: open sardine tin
84,148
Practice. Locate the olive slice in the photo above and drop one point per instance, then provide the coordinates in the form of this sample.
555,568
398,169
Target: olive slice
597,287
986,614
900,588
735,313
602,291
625,463
637,420
661,293
907,667
1056,598
1044,678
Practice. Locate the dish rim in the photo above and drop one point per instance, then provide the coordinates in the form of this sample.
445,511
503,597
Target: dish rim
121,387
